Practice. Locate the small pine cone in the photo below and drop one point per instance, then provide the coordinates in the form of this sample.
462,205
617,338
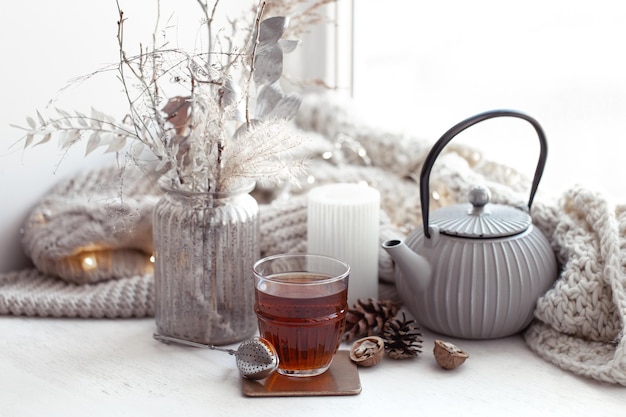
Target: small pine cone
402,338
368,318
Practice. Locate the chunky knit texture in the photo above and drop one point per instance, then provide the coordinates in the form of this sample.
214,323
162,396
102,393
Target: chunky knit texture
579,323
31,293
89,217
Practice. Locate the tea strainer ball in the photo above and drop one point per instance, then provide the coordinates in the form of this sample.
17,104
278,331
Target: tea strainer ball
256,358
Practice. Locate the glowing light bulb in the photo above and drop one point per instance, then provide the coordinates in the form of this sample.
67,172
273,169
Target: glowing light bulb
152,259
89,263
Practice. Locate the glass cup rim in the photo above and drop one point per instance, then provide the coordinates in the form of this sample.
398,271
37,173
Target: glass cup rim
266,259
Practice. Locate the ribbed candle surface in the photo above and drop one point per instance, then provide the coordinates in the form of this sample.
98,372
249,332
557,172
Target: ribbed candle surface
343,222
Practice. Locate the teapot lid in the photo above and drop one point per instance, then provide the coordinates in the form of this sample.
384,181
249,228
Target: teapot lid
480,220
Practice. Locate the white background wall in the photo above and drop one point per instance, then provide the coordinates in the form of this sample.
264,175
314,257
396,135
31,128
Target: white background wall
427,67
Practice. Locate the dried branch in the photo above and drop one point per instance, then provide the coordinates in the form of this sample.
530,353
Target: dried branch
255,45
125,63
200,140
304,14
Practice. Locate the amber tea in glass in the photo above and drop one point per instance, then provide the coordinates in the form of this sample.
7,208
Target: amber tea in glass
301,302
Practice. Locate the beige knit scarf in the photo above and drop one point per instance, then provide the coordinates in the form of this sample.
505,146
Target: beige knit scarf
579,323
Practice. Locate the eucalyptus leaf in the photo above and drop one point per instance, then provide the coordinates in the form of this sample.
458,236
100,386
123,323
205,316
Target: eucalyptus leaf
272,29
28,141
288,45
31,122
268,65
287,108
268,98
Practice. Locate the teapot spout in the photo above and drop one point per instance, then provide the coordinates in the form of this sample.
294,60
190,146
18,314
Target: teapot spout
415,269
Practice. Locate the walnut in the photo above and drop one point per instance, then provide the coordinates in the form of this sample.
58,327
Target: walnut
367,351
447,355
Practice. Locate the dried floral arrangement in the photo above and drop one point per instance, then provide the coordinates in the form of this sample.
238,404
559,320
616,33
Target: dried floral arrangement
206,120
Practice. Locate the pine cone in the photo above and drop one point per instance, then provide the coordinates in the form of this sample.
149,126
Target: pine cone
402,338
368,318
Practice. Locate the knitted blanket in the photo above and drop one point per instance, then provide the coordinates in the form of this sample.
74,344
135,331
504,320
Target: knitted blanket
90,240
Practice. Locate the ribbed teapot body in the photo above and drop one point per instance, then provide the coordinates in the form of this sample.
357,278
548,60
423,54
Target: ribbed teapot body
480,288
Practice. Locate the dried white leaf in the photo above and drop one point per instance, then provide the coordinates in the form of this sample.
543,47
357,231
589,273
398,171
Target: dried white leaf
82,119
117,144
45,139
93,142
63,113
68,138
96,115
99,118
255,149
18,127
42,121
48,129
136,149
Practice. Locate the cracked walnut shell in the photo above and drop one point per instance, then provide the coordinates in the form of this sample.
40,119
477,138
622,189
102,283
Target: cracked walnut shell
367,351
447,355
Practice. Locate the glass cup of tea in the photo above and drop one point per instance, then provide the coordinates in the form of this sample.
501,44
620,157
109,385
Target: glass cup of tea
301,302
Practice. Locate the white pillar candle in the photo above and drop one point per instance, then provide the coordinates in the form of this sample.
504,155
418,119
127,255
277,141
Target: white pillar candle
343,222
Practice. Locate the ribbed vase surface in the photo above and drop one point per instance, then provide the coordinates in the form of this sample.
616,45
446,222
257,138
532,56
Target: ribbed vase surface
205,247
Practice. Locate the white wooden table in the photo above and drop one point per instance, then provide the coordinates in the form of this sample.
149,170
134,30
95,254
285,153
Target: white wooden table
78,367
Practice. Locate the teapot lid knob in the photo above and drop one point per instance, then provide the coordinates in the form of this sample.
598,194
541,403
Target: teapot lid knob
479,196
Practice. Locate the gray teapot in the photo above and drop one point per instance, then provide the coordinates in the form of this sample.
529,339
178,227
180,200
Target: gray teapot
474,270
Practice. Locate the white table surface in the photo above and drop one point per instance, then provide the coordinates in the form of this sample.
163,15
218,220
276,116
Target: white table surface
79,367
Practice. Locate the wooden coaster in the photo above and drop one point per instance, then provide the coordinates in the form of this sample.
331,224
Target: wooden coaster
342,378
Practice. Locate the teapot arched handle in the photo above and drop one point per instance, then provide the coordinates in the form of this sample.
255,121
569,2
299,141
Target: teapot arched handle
458,128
